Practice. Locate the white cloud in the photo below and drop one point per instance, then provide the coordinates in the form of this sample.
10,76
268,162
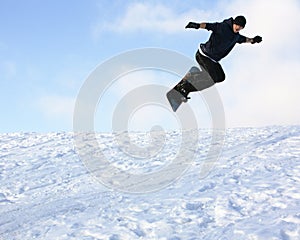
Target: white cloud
263,80
54,106
124,88
151,17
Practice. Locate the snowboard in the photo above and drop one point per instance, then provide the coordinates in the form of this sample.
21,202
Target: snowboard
193,81
175,98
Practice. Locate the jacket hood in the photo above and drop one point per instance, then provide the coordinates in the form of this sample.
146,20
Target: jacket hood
229,23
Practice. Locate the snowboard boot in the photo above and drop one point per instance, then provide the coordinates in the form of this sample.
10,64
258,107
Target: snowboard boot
183,88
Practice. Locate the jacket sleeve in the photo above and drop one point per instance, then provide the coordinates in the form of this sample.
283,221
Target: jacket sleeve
211,26
242,39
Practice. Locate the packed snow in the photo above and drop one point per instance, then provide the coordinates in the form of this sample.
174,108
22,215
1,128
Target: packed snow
251,192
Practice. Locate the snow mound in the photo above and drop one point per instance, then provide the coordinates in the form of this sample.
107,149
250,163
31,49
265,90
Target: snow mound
252,192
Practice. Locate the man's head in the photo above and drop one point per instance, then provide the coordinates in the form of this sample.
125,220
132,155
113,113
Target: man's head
239,23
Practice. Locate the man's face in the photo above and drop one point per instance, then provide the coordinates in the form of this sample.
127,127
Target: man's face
237,28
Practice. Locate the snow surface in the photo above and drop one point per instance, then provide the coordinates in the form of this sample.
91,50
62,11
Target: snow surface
253,191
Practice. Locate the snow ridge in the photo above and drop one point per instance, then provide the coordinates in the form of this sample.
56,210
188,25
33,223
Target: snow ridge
253,191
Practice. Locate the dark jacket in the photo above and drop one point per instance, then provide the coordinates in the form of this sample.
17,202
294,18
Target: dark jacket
222,39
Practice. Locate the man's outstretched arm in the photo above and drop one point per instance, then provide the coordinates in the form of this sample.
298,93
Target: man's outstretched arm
195,25
256,39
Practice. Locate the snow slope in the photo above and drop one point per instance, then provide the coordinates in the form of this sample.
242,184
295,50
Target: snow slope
253,192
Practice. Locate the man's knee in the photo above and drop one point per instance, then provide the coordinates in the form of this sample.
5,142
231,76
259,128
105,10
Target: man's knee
219,78
218,74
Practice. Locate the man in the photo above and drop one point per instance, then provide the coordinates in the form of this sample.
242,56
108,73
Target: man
223,38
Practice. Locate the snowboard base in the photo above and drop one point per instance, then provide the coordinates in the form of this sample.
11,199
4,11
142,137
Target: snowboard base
175,99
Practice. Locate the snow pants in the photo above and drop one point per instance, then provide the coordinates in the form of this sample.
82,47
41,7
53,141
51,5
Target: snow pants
214,69
197,80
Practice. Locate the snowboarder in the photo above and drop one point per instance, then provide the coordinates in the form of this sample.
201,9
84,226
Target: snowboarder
223,38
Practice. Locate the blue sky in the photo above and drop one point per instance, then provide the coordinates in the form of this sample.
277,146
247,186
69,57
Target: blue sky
48,48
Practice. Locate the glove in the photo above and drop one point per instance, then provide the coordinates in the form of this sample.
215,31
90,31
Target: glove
193,25
257,39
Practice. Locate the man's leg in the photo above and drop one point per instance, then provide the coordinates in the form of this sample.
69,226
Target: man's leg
214,69
198,80
194,80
